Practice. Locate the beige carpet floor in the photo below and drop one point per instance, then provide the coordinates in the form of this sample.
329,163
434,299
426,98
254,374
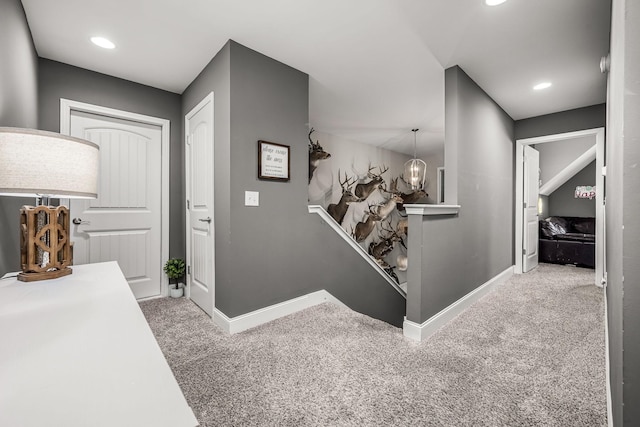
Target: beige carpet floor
531,353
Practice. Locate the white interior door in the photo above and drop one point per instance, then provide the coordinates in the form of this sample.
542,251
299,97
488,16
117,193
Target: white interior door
530,214
200,223
124,223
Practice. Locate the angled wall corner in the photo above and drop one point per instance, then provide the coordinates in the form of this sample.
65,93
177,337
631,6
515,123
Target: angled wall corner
461,252
623,227
18,108
275,252
451,133
19,82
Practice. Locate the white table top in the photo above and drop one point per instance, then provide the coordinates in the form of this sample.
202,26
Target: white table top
77,351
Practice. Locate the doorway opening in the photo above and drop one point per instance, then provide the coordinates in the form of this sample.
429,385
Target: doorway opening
596,136
129,221
200,220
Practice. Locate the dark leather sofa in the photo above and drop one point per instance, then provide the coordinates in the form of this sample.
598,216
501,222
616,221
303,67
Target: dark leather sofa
568,240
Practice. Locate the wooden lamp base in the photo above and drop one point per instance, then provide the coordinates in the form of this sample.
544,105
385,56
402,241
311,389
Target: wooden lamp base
45,250
53,274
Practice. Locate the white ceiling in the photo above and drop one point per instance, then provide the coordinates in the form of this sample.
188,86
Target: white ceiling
376,67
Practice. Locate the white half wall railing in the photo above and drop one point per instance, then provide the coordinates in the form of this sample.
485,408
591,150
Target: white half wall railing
418,279
319,210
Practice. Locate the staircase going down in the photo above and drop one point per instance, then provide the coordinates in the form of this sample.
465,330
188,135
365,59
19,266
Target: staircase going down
319,210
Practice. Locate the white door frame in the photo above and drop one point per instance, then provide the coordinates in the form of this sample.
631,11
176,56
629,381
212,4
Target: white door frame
187,183
66,106
531,166
598,134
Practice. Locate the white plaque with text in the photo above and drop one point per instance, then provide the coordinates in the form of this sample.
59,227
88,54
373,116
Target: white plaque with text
273,161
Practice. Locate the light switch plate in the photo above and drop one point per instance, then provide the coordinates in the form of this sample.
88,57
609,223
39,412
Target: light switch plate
251,198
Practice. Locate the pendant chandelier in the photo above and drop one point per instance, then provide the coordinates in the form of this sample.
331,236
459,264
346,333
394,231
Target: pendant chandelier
415,170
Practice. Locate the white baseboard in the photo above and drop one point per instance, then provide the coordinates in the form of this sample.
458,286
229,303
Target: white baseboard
256,318
420,332
151,298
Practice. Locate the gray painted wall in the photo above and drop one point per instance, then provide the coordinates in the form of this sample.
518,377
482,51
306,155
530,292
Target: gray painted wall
562,202
19,71
630,209
544,210
461,253
277,251
623,205
565,121
57,80
613,210
18,108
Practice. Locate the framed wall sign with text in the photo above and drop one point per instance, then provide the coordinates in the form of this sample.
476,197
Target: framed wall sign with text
273,161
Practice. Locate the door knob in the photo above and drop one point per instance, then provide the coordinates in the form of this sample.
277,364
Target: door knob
78,221
207,219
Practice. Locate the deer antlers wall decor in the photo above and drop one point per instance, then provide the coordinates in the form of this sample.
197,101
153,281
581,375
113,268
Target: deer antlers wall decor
386,244
407,198
402,262
338,211
384,209
388,269
316,154
364,190
402,227
365,227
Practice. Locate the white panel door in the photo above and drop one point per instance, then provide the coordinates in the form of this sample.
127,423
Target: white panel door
531,194
200,224
124,223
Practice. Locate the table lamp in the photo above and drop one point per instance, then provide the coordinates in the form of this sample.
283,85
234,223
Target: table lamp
46,165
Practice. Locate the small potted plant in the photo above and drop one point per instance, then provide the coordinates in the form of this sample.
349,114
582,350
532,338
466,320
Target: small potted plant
174,268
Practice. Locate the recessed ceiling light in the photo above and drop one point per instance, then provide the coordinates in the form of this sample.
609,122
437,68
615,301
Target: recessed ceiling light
102,42
493,2
543,85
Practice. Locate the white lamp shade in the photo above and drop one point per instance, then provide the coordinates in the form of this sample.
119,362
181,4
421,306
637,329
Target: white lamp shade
415,172
40,163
